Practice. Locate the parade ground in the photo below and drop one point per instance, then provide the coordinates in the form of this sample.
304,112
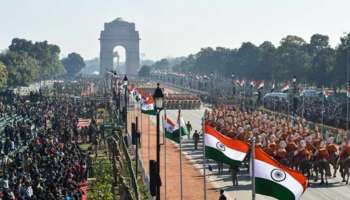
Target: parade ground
193,167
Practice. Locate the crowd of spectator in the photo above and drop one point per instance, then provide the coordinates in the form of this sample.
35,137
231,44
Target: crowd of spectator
40,157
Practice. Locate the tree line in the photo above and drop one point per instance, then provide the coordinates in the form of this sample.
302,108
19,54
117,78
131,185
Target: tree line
25,62
314,62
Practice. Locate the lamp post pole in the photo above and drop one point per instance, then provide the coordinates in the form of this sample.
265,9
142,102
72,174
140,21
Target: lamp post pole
126,102
158,98
126,107
158,156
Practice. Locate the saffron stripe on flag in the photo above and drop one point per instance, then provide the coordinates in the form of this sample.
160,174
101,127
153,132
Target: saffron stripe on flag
229,142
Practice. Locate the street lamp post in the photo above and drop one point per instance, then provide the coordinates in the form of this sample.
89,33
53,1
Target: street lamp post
158,97
125,82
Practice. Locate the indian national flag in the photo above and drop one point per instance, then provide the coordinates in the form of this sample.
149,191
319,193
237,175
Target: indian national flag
242,83
252,83
222,148
261,85
172,130
285,87
147,106
131,88
273,86
238,82
275,180
327,93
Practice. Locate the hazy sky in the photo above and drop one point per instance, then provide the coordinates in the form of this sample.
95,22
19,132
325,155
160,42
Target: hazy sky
171,27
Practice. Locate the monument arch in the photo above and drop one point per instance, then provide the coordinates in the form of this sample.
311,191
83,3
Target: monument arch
119,33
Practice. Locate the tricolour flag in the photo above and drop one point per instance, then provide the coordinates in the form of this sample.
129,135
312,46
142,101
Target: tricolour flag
261,85
238,82
276,180
242,83
285,87
172,130
180,126
252,83
327,93
131,88
222,148
147,106
348,92
82,123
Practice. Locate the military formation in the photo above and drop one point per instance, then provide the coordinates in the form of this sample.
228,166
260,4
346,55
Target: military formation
291,140
183,101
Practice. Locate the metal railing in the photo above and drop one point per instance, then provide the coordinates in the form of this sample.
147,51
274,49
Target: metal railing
123,168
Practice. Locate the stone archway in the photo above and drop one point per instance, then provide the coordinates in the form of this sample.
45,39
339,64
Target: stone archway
119,33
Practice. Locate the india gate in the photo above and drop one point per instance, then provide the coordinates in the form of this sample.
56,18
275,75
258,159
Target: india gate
119,33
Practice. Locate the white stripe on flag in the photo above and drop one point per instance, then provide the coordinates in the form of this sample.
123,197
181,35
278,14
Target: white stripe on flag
233,154
263,170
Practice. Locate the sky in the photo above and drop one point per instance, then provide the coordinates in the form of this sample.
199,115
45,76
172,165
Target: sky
170,28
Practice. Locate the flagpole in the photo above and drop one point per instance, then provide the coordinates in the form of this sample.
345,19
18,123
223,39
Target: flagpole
347,90
179,124
149,138
274,100
165,117
204,161
323,109
302,114
253,167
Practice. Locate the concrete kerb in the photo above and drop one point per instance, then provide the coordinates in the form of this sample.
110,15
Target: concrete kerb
144,175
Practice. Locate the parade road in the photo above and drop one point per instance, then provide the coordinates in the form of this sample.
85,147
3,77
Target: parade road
335,190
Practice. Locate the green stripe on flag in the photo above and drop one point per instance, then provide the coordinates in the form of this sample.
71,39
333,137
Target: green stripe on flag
272,189
217,155
183,131
173,136
149,112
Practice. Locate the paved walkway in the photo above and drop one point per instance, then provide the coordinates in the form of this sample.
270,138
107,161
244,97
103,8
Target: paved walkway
170,173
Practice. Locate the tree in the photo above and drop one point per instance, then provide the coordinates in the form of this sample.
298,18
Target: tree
22,69
21,46
145,71
248,60
323,60
315,62
267,60
161,64
340,71
3,75
47,56
318,42
292,59
186,65
73,64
